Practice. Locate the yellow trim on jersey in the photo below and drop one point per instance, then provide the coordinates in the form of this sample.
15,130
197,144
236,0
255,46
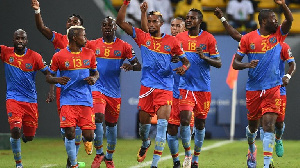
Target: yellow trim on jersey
19,55
110,58
19,67
76,52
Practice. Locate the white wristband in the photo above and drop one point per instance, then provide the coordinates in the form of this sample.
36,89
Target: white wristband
37,11
223,19
288,76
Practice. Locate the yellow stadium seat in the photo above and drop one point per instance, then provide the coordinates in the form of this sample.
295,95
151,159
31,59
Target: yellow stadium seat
294,6
255,17
296,23
214,3
214,25
267,4
117,3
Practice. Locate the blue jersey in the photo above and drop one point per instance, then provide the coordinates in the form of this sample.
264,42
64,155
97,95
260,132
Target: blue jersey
267,50
197,78
76,66
176,93
286,56
110,57
156,56
20,71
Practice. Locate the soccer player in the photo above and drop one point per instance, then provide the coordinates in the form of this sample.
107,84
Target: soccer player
21,65
286,55
157,78
77,66
263,48
59,42
110,54
201,49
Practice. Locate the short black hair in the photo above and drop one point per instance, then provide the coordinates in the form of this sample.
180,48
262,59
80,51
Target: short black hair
78,16
264,14
157,13
200,15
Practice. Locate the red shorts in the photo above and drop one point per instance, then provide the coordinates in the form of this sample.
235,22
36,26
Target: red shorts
150,99
175,114
196,101
107,105
263,101
22,114
82,116
281,116
58,99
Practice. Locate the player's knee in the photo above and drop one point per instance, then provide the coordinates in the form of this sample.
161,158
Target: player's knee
70,135
172,129
109,124
185,122
15,132
99,117
279,125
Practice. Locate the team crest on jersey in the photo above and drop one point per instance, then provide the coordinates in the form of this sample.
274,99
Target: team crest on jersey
202,46
11,59
97,52
67,64
28,66
167,48
148,43
117,53
252,46
63,118
86,62
273,40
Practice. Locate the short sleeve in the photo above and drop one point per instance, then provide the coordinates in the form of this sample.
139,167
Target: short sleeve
213,48
242,49
54,64
138,35
40,63
286,53
129,52
176,49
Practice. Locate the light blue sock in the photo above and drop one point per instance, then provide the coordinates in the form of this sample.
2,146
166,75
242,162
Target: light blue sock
144,133
268,144
98,141
261,133
279,133
160,140
71,151
16,149
251,139
78,137
185,133
173,146
63,133
199,139
111,135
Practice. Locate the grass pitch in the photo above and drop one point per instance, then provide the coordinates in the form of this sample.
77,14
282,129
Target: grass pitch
46,153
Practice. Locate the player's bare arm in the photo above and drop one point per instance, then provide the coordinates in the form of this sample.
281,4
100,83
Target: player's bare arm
215,62
287,23
51,94
54,80
286,78
185,66
134,65
239,65
232,31
39,21
94,76
144,8
121,19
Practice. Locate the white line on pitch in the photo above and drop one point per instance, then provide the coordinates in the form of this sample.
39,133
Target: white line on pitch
49,165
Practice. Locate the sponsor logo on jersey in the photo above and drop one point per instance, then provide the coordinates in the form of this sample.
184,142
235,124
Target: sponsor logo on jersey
117,53
167,48
28,66
86,62
97,52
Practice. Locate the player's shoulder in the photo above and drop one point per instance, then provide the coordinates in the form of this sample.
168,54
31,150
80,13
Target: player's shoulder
6,48
206,34
33,53
123,43
87,50
182,34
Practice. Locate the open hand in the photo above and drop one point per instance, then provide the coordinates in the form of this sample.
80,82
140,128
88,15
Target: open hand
253,64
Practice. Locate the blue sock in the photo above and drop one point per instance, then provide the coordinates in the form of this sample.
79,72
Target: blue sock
279,133
173,146
261,133
144,133
185,133
98,140
160,140
16,149
111,135
78,133
71,151
251,139
268,144
63,133
199,139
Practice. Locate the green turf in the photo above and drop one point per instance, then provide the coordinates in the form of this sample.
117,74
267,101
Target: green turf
51,153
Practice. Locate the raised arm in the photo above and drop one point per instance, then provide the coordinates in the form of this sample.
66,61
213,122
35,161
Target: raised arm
144,7
39,21
232,31
121,19
287,23
134,65
239,65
